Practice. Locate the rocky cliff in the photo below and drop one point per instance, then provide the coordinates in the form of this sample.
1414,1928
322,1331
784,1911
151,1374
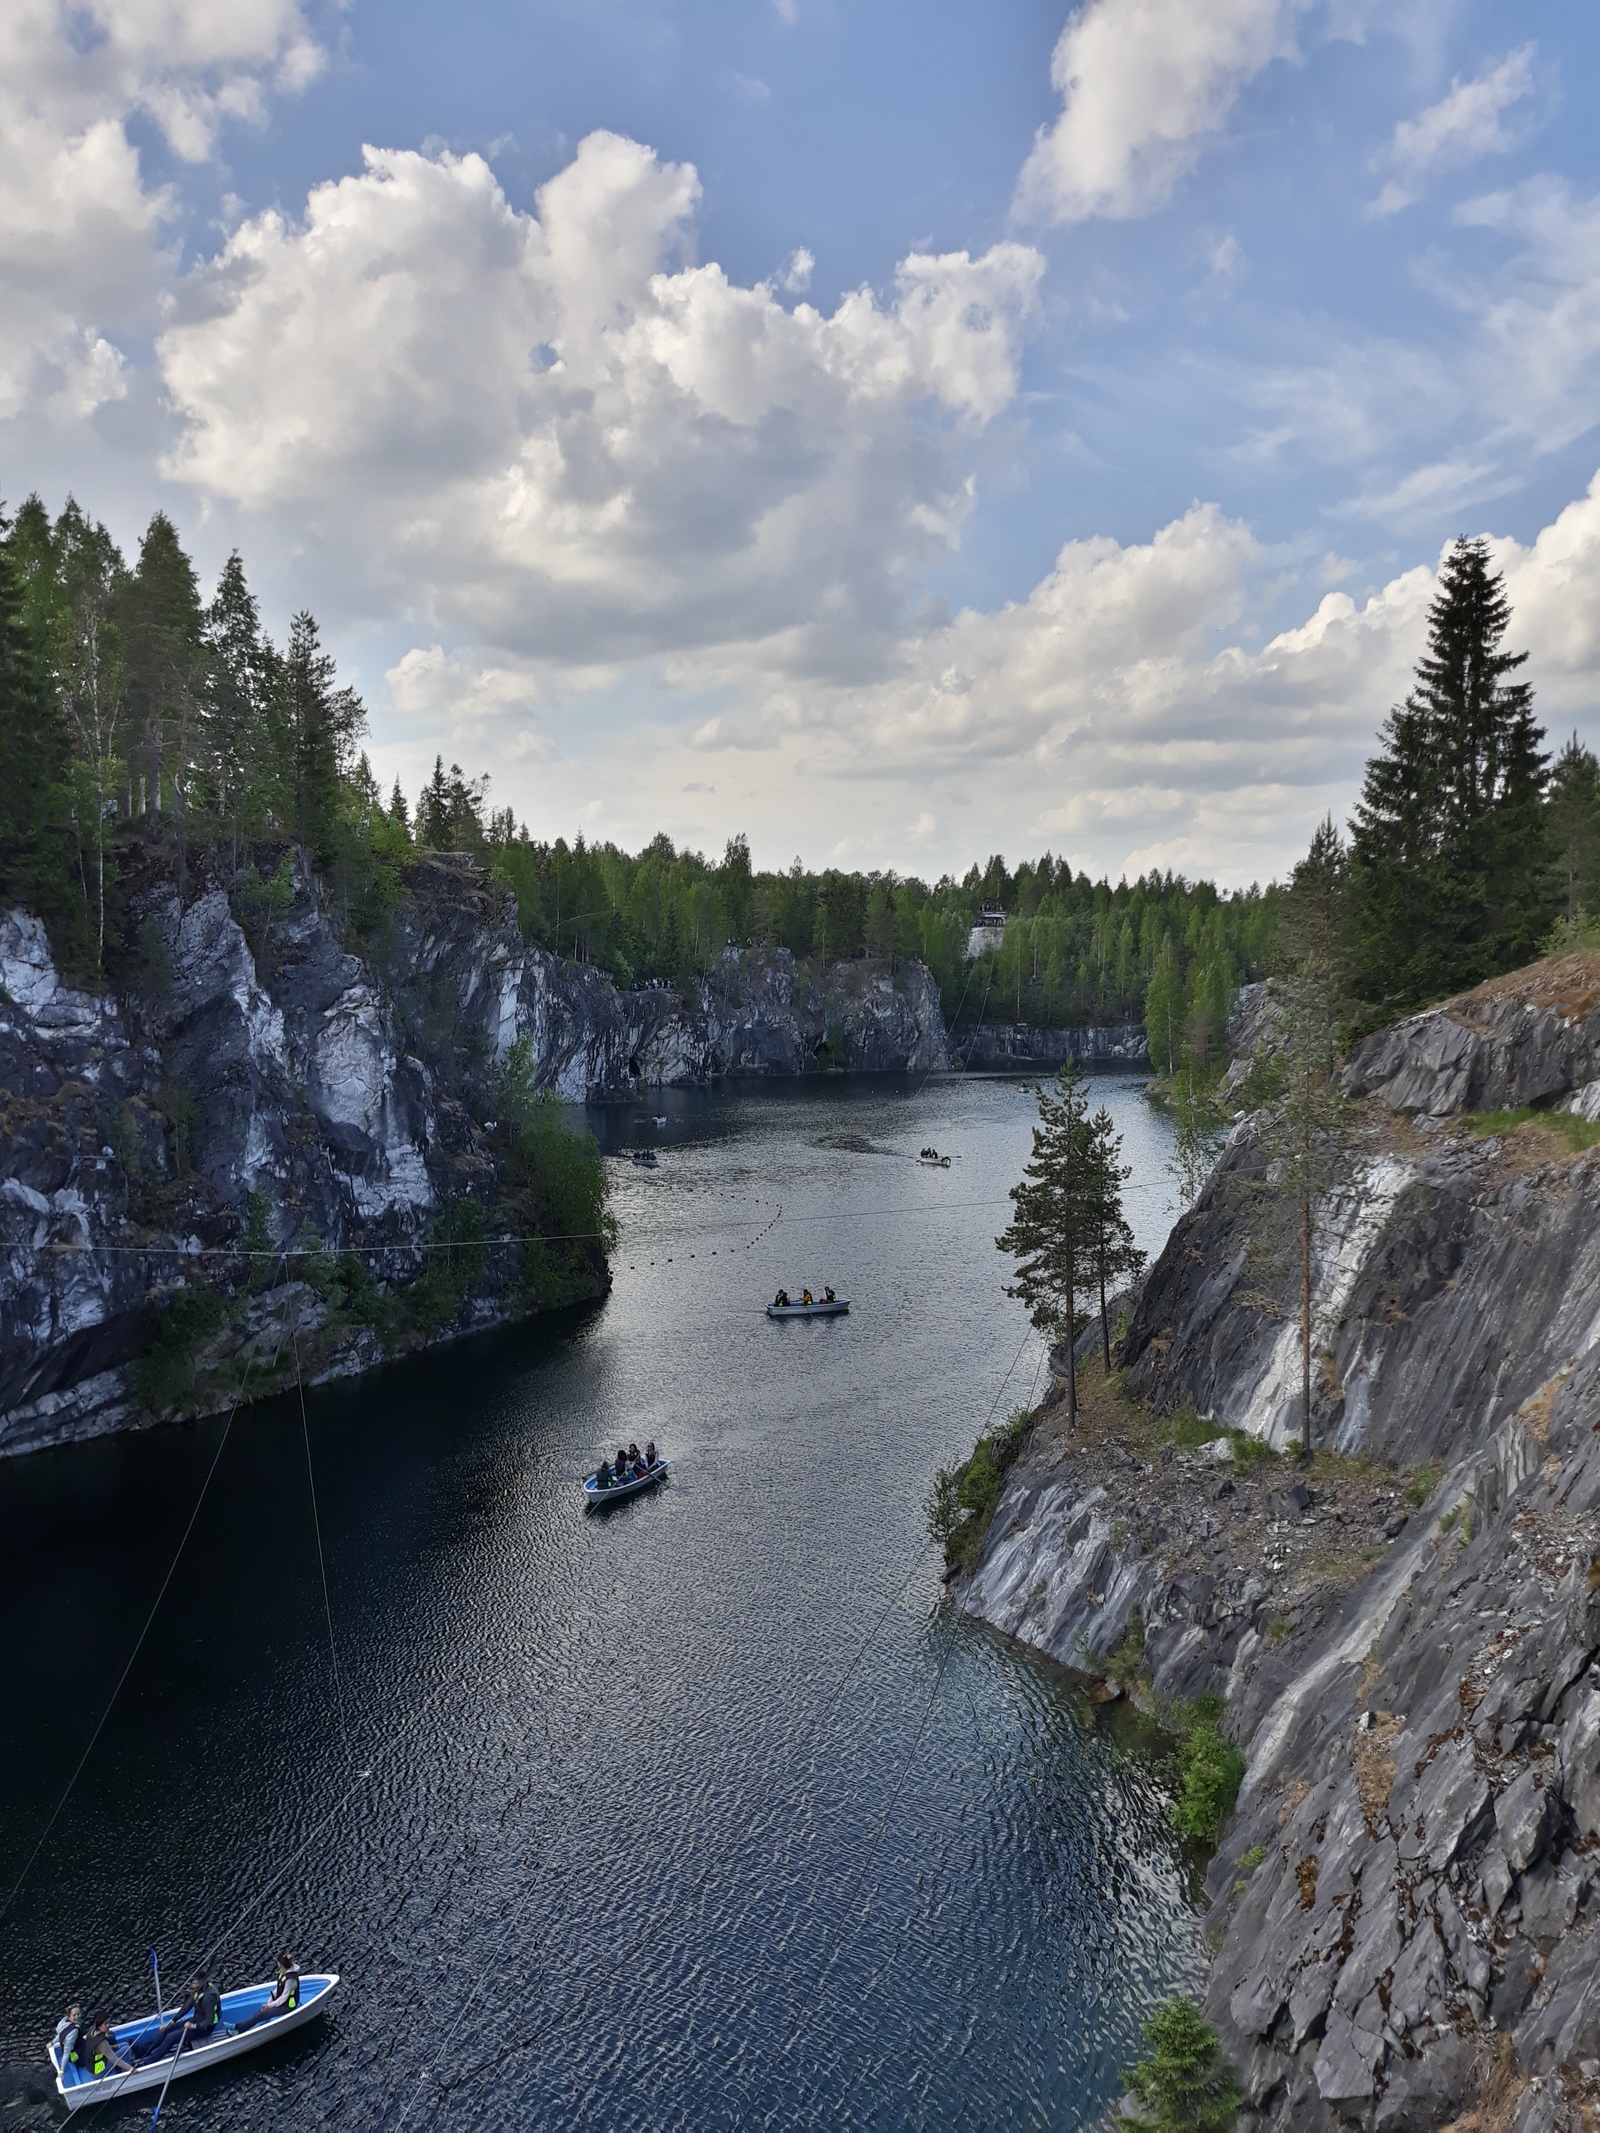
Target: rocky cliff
1003,1044
259,1087
1405,1910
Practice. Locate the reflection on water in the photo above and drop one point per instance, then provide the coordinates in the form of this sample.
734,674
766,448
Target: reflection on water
702,1813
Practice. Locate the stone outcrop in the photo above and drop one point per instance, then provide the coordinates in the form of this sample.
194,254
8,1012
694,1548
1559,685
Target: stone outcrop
1003,1044
1405,1910
260,1085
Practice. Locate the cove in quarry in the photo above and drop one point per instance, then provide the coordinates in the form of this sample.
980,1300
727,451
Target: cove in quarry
705,1813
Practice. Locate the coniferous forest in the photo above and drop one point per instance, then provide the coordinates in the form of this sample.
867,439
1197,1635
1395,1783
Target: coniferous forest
138,712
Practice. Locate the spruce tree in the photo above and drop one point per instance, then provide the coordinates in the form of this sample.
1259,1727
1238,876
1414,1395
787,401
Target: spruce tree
1573,811
1450,867
1164,1008
162,633
1051,1234
323,724
1183,2085
248,794
35,847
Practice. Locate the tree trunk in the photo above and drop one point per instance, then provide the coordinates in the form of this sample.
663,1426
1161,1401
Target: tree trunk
1105,1325
1072,1368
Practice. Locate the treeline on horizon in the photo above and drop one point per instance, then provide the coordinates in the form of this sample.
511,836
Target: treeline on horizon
138,717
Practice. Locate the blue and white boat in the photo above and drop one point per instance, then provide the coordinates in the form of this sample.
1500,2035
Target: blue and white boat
822,1307
599,1499
77,2086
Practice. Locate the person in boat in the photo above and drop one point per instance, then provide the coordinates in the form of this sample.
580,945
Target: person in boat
650,1455
97,2049
780,1302
622,1466
194,2025
806,1296
65,2041
283,1998
602,1479
828,1296
635,1461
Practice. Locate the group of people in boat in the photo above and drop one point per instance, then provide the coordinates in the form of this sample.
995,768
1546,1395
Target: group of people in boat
784,1302
95,2052
631,1465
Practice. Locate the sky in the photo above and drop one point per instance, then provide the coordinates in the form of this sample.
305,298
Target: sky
899,432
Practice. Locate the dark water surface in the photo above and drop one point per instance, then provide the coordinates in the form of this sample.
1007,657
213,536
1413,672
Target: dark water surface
704,1813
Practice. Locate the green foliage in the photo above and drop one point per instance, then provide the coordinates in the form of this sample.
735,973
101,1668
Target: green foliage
1451,865
1572,806
1248,1862
960,1498
1578,1133
1249,1451
1424,1480
1183,2084
1209,1770
1192,1432
1127,1661
162,1376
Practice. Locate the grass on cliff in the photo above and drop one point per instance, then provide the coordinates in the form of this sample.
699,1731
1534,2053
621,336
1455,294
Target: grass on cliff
1574,1133
961,1499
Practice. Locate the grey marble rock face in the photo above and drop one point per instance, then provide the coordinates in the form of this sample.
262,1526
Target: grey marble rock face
283,1078
1404,1910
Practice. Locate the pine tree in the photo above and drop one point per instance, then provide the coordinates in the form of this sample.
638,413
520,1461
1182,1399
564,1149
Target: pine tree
91,680
1183,2085
1450,842
1113,1255
322,725
248,793
162,633
35,847
1051,1234
1573,809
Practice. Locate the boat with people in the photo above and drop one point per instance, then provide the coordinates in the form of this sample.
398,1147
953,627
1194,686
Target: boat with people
631,1472
104,2061
827,1305
933,1159
645,1158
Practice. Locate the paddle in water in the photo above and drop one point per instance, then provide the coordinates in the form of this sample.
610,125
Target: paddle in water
171,2070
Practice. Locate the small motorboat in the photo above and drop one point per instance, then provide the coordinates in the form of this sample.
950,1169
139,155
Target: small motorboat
835,1307
599,1499
77,2086
645,1158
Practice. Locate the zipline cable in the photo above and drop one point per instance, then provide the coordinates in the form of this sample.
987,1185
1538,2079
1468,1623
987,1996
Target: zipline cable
222,1445
316,1524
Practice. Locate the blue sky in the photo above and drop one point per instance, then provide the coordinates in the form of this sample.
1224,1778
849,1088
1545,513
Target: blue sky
900,432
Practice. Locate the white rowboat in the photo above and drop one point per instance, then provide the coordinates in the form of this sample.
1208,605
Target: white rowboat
78,2087
599,1499
836,1309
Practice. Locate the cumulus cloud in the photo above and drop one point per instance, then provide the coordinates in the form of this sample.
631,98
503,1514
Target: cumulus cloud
1125,713
81,231
1460,127
583,444
1143,82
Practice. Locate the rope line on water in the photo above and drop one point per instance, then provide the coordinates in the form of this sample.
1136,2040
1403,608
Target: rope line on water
316,1526
222,1444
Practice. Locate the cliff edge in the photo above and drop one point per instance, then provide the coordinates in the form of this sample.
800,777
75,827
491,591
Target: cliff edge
1405,1909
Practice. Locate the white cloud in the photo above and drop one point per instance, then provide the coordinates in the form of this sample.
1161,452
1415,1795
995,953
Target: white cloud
1463,125
81,232
1143,82
556,432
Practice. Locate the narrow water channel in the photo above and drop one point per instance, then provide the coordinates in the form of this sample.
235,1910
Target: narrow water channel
705,1813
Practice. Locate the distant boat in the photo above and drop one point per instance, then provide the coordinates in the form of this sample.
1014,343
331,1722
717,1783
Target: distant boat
836,1309
660,1121
645,1158
599,1499
933,1159
77,2086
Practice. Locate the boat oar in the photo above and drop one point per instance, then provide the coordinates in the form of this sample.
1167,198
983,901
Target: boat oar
155,1964
171,2070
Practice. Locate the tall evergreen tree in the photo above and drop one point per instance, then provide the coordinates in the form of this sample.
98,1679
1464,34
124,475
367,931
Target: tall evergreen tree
322,725
35,851
1051,1233
246,752
162,632
1164,1010
1450,837
91,680
1573,810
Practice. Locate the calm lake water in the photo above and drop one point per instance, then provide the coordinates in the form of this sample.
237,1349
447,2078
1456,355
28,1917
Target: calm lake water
706,1813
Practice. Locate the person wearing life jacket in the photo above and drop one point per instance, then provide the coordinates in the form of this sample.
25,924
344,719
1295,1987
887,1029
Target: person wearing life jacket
650,1455
97,2052
65,2041
827,1296
805,1296
205,2014
602,1479
283,1998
